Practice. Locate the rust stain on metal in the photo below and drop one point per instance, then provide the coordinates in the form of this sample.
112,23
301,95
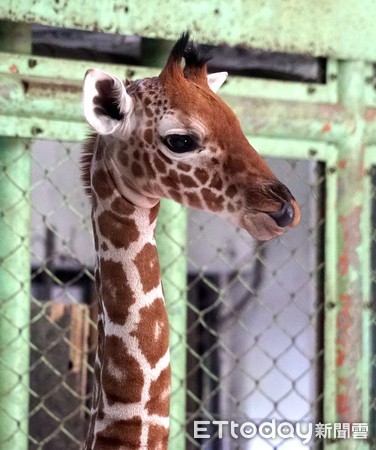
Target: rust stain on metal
343,264
13,69
350,225
344,322
370,115
349,334
344,319
326,128
343,404
342,163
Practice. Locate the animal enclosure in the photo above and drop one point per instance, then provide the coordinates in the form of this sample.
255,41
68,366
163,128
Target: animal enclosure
280,330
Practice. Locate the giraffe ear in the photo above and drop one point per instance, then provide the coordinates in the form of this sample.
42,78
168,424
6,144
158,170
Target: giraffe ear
106,103
215,80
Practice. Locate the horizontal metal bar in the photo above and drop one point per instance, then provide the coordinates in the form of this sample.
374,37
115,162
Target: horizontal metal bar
50,90
295,149
60,70
38,128
30,114
300,120
288,26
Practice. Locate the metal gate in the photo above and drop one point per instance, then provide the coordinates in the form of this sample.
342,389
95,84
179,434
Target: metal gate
270,334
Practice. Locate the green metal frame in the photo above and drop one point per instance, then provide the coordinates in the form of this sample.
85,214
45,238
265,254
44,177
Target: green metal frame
15,209
338,30
334,123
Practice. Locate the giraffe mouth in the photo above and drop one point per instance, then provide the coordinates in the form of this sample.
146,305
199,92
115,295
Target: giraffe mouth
265,225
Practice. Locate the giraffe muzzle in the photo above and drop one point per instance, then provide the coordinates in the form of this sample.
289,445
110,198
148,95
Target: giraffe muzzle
267,225
285,216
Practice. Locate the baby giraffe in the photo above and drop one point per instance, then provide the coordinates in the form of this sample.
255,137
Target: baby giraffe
169,136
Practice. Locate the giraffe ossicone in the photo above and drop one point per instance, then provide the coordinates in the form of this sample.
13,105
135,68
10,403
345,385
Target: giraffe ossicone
169,136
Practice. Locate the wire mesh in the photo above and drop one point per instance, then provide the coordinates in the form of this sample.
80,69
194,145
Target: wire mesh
254,331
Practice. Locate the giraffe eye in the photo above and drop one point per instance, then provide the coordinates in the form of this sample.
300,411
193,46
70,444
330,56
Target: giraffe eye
180,143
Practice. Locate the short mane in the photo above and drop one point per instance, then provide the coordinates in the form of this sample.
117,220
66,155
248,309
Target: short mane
85,162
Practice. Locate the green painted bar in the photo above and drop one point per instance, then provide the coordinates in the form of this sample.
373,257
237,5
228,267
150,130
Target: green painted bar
15,207
14,293
52,100
172,244
366,224
287,26
351,240
61,70
331,295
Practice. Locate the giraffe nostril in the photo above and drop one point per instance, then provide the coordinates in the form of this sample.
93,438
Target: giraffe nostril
285,216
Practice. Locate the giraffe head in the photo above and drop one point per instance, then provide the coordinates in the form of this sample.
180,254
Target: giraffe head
172,136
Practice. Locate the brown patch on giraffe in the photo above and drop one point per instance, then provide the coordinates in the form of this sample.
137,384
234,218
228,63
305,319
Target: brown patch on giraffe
202,175
122,207
216,182
137,170
123,158
175,195
230,208
120,368
213,201
159,164
152,331
120,434
184,167
149,112
188,181
102,184
235,164
159,394
136,154
193,200
158,437
115,291
148,136
120,230
231,191
148,267
165,158
171,180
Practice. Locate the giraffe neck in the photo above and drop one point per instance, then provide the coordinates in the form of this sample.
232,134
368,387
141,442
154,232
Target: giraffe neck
132,371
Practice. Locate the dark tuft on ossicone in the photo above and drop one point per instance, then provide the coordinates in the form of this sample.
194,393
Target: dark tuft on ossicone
196,56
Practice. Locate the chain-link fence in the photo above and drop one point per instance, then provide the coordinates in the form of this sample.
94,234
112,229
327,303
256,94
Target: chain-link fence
254,331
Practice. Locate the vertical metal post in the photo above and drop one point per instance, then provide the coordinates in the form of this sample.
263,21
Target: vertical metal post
14,271
171,238
351,252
